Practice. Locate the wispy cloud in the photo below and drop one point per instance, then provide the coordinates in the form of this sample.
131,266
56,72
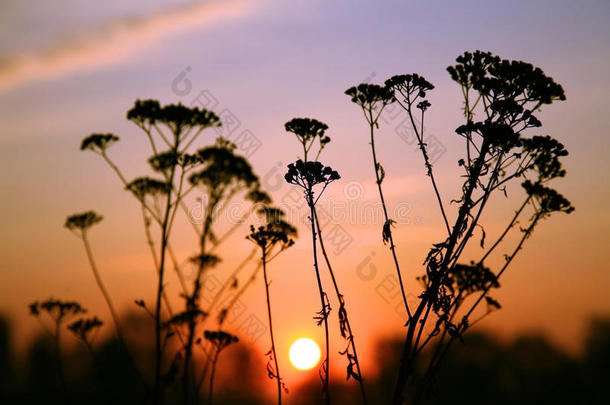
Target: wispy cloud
115,42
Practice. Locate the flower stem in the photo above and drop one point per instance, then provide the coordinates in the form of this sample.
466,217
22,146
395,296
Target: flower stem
386,217
110,305
277,369
341,300
324,313
157,389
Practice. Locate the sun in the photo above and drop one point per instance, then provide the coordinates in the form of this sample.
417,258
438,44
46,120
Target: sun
304,354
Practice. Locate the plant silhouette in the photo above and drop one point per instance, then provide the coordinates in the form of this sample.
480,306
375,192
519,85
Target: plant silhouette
505,94
310,132
276,233
59,311
220,175
503,148
373,99
220,340
79,224
306,175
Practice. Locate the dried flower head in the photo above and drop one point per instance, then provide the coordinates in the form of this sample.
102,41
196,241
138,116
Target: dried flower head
177,117
206,259
82,221
370,96
307,130
545,152
257,195
56,309
548,199
98,142
470,278
308,174
223,169
272,234
164,161
271,214
84,326
504,79
143,186
219,338
410,85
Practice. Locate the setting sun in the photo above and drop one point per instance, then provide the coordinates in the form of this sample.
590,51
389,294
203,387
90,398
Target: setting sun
304,354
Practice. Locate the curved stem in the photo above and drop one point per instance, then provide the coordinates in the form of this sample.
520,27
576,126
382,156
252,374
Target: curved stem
177,270
341,300
151,244
409,352
110,305
387,223
100,284
506,230
124,181
422,147
277,369
158,390
485,197
434,364
526,233
192,305
323,313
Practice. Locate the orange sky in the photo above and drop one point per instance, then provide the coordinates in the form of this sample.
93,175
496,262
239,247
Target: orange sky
268,62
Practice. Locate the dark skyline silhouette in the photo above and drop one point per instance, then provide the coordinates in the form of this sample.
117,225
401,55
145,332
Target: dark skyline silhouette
527,369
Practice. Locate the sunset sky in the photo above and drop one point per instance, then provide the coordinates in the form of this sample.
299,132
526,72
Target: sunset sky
70,68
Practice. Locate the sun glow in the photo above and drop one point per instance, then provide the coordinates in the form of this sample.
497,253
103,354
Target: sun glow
304,354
